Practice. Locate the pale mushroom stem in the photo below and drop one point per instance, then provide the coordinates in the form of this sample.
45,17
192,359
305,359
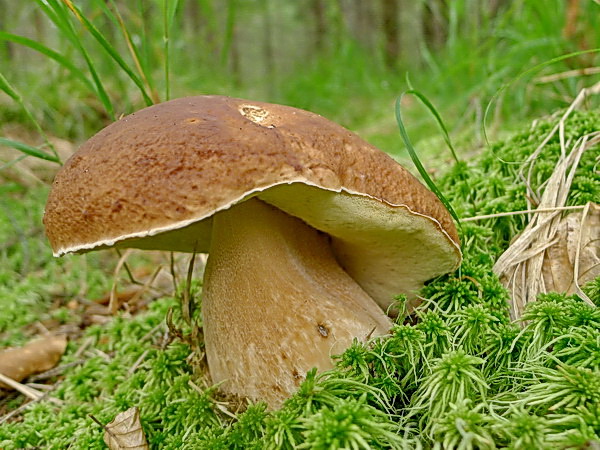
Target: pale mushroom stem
276,303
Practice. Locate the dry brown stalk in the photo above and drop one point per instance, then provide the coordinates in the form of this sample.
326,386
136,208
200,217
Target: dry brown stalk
532,254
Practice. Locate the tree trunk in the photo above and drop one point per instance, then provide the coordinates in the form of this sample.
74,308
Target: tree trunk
389,11
435,23
268,50
317,9
8,51
365,24
209,24
230,52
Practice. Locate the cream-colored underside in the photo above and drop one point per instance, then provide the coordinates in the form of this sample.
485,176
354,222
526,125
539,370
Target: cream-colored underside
388,249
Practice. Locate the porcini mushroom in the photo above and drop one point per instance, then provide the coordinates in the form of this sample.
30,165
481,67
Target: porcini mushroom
310,231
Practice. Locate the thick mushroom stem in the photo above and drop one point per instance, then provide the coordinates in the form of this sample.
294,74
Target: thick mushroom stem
276,303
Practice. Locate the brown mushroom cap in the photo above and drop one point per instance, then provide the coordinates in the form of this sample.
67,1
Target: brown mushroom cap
153,180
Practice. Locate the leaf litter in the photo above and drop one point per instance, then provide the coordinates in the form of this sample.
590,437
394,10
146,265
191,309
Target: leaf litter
125,432
553,247
37,356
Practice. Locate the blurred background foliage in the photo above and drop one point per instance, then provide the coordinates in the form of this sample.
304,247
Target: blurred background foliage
345,59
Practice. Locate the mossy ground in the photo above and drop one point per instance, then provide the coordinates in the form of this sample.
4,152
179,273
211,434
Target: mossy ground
457,374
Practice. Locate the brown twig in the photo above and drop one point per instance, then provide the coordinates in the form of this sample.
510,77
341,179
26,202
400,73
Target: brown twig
59,370
112,304
27,391
22,408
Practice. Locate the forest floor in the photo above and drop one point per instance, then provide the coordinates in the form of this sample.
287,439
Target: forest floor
460,372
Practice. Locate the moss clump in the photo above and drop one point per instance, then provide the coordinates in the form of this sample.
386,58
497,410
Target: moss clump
105,385
492,184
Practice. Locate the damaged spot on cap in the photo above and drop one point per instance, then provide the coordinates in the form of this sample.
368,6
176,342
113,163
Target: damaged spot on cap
256,114
323,331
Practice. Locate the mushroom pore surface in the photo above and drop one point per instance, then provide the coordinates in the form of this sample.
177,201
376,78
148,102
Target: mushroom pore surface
276,303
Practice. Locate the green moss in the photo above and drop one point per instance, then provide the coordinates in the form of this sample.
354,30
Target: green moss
32,282
491,183
104,386
592,290
457,373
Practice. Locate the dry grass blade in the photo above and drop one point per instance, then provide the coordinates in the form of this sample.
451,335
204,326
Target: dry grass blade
27,391
59,370
530,162
33,394
525,211
186,307
575,258
568,74
113,304
521,266
134,55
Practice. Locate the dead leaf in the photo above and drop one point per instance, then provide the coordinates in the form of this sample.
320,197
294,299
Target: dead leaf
577,247
37,356
125,431
120,296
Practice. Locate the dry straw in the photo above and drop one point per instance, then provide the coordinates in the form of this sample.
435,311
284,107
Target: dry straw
554,251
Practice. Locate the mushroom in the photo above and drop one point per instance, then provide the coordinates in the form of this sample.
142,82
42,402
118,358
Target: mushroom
310,231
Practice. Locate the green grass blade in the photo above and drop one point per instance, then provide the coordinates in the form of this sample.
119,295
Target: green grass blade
533,69
117,19
13,162
415,158
56,12
165,7
113,53
9,90
40,48
172,6
28,150
229,29
438,119
169,10
12,93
